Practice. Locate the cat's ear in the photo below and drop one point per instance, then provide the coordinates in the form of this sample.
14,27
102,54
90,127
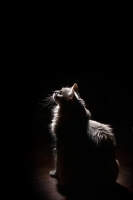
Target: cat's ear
73,91
71,94
75,87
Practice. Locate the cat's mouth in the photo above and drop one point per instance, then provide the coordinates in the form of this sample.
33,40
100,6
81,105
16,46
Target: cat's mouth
54,96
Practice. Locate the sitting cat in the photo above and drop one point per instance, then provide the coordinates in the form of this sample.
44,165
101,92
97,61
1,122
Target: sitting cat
85,149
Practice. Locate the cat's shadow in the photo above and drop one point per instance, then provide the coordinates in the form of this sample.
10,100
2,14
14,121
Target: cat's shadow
118,192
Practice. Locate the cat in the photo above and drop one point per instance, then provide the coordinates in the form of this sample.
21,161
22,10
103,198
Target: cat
84,148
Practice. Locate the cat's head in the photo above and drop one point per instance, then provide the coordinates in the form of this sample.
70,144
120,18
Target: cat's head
69,97
66,94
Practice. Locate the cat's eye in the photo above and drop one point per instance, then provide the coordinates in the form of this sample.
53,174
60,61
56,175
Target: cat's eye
60,92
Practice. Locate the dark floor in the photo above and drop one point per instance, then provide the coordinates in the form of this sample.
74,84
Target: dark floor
41,162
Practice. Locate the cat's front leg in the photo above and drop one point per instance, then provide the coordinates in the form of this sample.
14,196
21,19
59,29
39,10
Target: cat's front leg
53,173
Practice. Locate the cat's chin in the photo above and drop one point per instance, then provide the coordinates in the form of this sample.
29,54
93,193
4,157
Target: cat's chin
57,100
54,96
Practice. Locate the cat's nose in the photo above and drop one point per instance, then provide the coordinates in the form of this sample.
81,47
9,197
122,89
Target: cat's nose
56,92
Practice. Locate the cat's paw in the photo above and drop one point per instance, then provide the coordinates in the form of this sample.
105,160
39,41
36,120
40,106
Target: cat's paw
53,173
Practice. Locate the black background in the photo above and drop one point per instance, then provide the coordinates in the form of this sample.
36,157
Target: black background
48,51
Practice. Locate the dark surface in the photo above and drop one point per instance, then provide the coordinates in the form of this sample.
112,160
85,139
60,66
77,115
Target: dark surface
42,186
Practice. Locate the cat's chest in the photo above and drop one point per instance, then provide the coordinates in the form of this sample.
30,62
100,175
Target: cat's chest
69,152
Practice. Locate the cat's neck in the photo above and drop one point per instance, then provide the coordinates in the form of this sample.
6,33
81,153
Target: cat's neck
66,117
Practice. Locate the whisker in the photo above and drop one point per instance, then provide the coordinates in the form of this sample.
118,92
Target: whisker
41,108
52,91
48,94
51,105
46,102
45,105
46,99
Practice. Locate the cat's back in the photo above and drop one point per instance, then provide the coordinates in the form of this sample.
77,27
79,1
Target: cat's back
100,132
95,125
